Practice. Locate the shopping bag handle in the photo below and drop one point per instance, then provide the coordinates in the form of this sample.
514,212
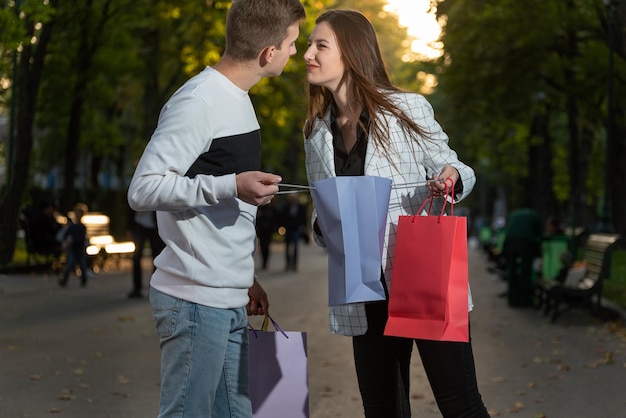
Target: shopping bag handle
430,198
265,325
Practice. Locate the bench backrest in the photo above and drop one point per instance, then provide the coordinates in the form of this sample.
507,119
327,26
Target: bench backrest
97,224
597,253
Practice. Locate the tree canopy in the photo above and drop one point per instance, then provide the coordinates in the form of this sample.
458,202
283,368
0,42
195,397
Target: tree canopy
524,86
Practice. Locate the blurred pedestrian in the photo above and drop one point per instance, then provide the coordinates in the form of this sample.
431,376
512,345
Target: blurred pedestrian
266,227
522,244
293,217
75,243
144,230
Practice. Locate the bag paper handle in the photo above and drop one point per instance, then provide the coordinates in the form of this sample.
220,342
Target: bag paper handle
430,198
265,326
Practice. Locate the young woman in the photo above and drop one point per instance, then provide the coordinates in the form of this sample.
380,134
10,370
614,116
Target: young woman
359,123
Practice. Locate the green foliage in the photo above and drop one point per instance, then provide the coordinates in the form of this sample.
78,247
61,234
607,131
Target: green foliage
507,62
120,60
12,30
14,35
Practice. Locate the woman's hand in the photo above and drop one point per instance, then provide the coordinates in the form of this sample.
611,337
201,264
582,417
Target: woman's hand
438,188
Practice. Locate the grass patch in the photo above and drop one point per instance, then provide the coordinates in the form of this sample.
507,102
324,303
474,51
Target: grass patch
20,254
615,287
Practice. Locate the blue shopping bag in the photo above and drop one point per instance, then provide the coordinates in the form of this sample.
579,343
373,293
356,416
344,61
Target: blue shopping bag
352,215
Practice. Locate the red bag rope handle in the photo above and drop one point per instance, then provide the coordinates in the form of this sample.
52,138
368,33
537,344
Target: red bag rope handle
429,199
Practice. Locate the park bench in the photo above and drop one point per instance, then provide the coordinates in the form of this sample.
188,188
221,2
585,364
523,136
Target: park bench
595,254
102,247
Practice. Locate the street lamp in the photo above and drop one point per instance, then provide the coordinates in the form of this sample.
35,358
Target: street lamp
606,214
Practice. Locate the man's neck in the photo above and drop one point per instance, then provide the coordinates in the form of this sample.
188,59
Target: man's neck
243,74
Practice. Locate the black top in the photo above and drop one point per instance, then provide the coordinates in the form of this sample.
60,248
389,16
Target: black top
230,154
349,163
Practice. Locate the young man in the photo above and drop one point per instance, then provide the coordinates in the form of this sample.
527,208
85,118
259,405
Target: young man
200,173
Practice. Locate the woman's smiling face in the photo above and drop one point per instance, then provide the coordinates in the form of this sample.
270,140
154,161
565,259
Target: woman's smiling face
324,66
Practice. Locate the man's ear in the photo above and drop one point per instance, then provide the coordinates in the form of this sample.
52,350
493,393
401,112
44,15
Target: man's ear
266,55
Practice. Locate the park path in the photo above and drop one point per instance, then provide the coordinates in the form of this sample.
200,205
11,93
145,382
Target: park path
90,353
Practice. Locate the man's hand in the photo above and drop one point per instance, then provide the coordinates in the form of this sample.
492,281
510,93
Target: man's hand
256,187
258,305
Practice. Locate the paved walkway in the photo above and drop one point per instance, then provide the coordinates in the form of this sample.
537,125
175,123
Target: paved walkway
91,352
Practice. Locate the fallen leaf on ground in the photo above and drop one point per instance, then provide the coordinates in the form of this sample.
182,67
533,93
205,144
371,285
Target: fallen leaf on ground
66,395
517,406
563,367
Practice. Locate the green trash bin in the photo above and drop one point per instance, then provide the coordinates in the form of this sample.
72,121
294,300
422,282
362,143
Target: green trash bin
484,235
551,250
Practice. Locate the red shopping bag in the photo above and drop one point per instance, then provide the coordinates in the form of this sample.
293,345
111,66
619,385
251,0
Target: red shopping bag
428,298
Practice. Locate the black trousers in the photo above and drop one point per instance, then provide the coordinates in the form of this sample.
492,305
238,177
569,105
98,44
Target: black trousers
382,366
292,239
141,235
520,254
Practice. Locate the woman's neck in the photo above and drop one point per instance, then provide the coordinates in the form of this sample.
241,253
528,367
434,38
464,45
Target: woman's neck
346,110
347,119
348,113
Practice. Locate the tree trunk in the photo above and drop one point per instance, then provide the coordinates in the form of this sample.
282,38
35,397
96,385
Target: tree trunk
30,67
84,64
617,168
68,198
574,161
540,170
90,41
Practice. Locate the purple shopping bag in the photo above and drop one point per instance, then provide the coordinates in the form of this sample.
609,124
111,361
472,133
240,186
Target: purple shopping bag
278,373
352,215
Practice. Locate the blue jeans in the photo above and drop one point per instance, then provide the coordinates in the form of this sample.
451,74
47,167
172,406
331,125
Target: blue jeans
75,256
204,359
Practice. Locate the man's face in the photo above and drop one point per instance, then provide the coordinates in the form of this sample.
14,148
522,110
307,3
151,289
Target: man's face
287,49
